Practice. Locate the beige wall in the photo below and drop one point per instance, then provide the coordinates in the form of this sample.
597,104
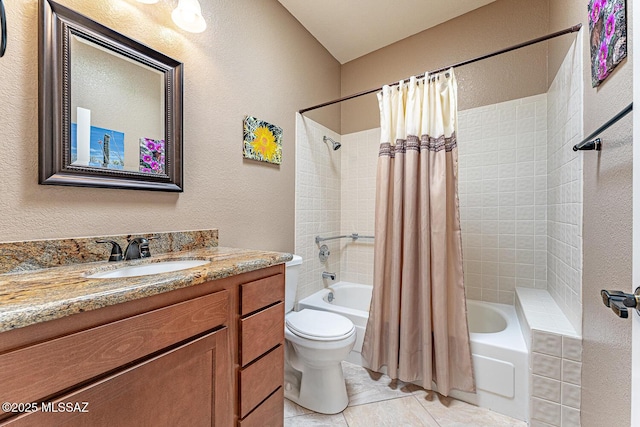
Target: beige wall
253,59
606,229
498,25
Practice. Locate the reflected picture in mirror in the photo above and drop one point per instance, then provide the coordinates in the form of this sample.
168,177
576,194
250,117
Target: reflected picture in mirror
113,117
151,155
103,148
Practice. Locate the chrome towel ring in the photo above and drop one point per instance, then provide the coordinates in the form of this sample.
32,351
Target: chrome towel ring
3,29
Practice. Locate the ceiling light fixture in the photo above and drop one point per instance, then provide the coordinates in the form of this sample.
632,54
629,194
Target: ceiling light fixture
187,15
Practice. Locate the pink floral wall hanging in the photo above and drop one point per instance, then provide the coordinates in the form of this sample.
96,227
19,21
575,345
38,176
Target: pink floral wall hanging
152,155
608,37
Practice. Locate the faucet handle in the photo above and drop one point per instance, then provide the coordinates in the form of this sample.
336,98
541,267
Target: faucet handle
116,250
141,246
144,247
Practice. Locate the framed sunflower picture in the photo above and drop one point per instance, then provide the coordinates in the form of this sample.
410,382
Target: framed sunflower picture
262,141
607,37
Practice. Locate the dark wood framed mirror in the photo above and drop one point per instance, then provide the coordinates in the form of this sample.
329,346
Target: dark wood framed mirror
110,108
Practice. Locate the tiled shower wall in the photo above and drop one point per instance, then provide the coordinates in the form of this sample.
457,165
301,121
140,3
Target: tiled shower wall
520,188
317,201
564,182
503,197
358,200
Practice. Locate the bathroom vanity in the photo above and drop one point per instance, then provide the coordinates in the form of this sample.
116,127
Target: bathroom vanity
202,346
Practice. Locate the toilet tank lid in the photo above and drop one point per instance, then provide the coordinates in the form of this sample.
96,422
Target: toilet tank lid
297,260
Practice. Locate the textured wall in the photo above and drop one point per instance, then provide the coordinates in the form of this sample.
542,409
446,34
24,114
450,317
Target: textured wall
607,219
253,59
498,25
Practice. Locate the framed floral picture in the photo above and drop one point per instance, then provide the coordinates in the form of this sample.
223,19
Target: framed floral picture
608,37
262,141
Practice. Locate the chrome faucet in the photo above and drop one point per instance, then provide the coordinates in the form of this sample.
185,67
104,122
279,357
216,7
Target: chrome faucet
327,275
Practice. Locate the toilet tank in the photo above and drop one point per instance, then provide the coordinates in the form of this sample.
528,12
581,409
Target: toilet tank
292,273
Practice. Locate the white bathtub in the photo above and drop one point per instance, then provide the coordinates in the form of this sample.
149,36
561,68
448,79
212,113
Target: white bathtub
500,355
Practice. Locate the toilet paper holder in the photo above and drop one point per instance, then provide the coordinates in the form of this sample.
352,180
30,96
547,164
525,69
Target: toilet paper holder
620,302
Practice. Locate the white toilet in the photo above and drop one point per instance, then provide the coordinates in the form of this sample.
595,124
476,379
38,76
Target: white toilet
316,344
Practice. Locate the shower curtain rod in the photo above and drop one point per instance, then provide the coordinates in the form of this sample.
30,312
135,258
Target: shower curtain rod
569,30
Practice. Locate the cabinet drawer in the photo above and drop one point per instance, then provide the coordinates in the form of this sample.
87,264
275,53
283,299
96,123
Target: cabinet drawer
261,293
270,413
261,332
38,371
260,379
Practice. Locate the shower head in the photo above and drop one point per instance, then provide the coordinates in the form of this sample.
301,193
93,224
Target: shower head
336,145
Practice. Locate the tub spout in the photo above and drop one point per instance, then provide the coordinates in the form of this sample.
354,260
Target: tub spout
327,275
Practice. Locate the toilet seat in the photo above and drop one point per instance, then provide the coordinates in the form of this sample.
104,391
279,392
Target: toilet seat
319,325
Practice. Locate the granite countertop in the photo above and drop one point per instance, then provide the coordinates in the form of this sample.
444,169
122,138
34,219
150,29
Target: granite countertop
31,297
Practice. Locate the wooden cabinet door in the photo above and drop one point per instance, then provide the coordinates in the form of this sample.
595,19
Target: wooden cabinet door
186,386
45,369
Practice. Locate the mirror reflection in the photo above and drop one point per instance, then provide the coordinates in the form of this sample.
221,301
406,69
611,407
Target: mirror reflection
117,110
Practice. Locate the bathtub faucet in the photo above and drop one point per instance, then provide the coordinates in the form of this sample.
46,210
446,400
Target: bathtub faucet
327,275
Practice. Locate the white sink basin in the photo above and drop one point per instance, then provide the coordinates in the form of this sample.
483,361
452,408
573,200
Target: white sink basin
149,269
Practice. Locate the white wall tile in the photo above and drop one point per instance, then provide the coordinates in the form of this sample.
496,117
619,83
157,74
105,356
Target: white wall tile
547,343
546,366
358,204
546,388
318,194
546,411
572,349
571,395
570,417
564,189
571,372
500,179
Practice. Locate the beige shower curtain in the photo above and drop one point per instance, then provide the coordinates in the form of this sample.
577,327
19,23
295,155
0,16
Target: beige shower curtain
417,324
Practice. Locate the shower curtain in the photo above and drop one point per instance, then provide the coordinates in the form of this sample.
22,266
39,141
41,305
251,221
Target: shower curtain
417,324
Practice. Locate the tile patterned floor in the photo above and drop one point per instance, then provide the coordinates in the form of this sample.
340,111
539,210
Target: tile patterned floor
377,401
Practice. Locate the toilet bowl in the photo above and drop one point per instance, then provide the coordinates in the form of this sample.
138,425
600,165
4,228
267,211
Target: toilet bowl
316,342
